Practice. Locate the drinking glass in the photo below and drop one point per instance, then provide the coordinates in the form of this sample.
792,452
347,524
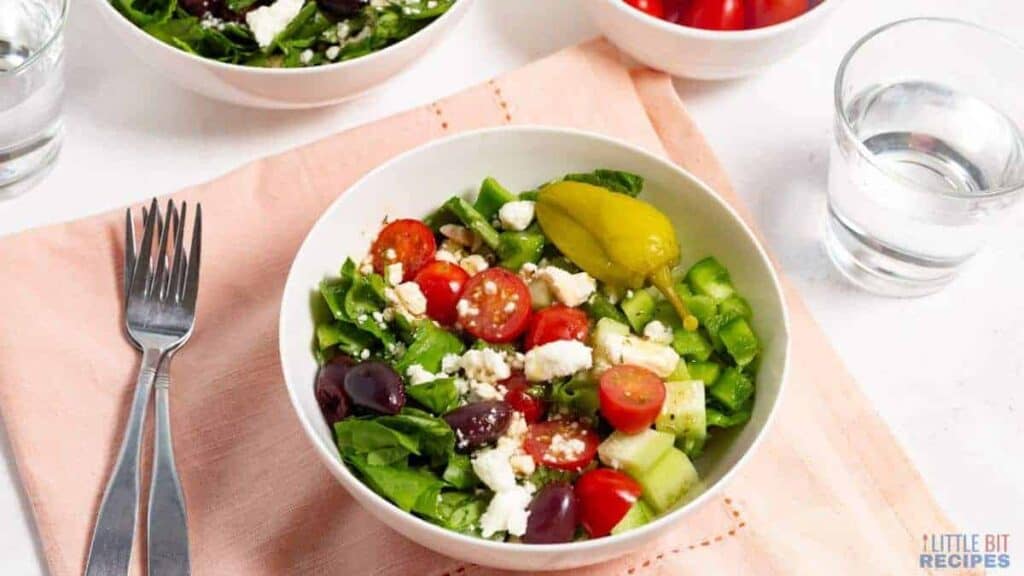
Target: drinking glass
927,152
31,90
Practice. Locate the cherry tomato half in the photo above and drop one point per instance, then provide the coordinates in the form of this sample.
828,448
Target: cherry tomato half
761,13
713,14
556,323
631,397
653,7
407,241
604,497
574,448
497,306
442,283
519,398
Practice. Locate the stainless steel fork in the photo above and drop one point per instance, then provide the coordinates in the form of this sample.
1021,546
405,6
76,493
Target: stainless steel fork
159,317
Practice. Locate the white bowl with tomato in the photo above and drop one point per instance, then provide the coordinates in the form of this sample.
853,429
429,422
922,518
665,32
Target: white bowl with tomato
710,39
543,371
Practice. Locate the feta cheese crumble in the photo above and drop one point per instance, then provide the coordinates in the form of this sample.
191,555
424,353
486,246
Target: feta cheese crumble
306,56
657,332
556,360
507,512
266,22
459,234
332,52
614,349
570,289
516,215
394,273
408,298
417,375
474,264
485,365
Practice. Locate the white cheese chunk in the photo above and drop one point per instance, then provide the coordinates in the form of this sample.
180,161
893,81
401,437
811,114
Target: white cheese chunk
394,273
485,365
657,332
556,360
618,349
492,467
516,215
266,22
570,289
474,264
419,375
507,512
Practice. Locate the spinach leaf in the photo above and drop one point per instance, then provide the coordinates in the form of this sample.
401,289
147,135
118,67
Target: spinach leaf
411,489
614,180
187,33
345,335
239,6
459,472
146,12
432,435
291,31
430,344
366,437
426,9
461,511
439,396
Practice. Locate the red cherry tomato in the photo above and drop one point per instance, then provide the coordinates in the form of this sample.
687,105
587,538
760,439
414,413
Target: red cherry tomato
497,306
407,241
442,283
653,7
713,14
519,398
604,496
631,397
575,447
761,13
556,323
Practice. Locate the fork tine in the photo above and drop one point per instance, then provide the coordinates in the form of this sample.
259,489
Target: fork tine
129,251
160,279
178,269
141,274
192,281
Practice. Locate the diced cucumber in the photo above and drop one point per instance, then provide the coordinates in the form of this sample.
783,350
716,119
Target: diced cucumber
665,313
739,340
599,306
692,345
732,389
680,374
639,309
491,198
735,306
703,307
717,419
610,326
634,453
710,278
665,483
638,515
706,372
682,414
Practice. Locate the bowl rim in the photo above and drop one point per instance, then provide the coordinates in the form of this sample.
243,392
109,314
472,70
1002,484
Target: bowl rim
823,8
358,490
454,12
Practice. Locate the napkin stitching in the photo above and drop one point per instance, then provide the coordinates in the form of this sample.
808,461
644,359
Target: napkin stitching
436,108
500,99
706,542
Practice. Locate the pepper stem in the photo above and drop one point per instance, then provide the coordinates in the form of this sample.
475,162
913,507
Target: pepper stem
662,278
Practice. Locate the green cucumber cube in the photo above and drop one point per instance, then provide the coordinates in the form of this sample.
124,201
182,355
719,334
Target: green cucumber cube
638,515
682,414
739,340
735,306
599,307
691,345
710,278
634,453
639,309
732,389
706,372
703,307
665,483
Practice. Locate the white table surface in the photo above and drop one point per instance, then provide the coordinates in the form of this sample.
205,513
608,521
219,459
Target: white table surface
946,372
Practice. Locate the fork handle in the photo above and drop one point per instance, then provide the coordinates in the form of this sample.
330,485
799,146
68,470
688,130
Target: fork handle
111,550
167,536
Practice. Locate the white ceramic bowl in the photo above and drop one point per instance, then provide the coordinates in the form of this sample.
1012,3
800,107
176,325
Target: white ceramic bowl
281,88
417,182
704,54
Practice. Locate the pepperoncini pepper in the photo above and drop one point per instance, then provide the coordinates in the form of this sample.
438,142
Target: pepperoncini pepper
617,239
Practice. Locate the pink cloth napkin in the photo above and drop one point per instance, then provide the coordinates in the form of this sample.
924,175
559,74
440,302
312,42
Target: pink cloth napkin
829,492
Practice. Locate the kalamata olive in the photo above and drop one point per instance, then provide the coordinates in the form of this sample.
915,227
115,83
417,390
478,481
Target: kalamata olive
479,423
553,515
330,391
342,8
375,386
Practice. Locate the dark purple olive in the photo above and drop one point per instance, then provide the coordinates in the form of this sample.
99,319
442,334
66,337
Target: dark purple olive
198,8
479,423
553,515
330,389
342,8
376,387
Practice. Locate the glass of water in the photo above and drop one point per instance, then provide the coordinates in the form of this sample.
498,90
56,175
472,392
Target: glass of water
31,90
927,152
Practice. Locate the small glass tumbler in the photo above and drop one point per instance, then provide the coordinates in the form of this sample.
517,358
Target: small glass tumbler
927,151
31,90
